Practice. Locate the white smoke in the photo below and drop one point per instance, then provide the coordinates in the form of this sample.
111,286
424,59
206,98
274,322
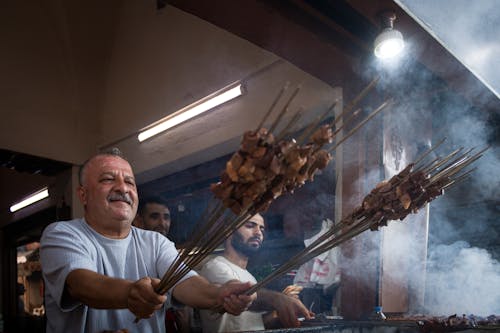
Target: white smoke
462,280
463,277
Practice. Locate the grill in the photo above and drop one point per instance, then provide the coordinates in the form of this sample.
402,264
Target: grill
399,325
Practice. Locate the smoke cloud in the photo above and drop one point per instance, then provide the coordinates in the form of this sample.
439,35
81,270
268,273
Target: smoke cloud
462,280
462,274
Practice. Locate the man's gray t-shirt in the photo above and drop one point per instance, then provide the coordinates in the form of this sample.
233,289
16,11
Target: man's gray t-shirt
70,245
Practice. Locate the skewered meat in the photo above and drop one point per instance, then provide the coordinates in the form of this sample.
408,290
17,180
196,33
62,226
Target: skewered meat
322,135
249,142
453,323
403,194
238,192
263,169
394,199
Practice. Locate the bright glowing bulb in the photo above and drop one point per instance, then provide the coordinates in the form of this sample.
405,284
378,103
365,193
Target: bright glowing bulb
389,44
190,112
37,196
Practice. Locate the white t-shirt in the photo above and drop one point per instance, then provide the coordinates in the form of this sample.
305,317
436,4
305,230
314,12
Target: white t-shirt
70,245
221,270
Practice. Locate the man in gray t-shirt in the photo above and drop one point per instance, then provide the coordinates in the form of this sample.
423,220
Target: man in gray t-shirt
101,273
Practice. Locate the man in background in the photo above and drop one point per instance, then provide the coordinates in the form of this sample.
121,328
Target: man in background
153,214
239,247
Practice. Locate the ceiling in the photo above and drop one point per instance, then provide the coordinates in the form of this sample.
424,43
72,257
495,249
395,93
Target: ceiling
472,37
329,40
343,34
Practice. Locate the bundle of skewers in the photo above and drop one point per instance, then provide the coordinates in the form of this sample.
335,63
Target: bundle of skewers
265,167
407,192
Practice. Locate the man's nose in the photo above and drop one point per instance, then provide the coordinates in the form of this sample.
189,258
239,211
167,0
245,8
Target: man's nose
121,185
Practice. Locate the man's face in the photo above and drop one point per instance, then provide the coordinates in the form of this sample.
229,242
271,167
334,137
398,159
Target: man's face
108,191
247,240
156,217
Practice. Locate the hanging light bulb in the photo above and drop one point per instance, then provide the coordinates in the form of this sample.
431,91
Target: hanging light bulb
389,43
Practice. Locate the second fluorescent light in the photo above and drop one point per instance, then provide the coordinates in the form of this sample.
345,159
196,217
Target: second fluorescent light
191,111
37,196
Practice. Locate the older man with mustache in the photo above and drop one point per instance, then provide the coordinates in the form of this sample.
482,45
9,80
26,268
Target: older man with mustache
239,247
100,272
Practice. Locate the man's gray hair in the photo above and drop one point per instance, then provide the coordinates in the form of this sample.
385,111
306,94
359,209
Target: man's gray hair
114,151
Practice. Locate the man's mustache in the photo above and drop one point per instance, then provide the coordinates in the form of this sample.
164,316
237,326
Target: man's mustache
117,196
251,239
161,230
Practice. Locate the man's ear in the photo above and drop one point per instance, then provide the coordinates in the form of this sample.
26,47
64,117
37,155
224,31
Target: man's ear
82,195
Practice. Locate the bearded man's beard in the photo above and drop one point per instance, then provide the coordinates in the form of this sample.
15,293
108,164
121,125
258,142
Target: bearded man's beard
161,230
240,246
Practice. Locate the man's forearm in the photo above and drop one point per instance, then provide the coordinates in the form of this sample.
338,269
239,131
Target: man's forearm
287,307
197,292
265,300
96,290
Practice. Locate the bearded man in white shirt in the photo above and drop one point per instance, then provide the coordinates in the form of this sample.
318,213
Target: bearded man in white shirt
242,244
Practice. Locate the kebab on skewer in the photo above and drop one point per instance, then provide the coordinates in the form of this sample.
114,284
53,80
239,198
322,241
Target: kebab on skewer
405,193
260,171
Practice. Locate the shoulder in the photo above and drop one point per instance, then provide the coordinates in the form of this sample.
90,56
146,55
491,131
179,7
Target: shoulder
151,239
61,225
73,234
63,228
215,262
148,235
217,270
142,233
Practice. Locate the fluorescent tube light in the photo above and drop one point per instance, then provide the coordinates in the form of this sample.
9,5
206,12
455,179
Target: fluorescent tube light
191,111
37,196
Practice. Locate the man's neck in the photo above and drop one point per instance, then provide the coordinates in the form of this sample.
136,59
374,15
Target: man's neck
114,229
236,258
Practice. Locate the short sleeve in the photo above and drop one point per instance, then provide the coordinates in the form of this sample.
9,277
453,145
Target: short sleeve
63,250
167,256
